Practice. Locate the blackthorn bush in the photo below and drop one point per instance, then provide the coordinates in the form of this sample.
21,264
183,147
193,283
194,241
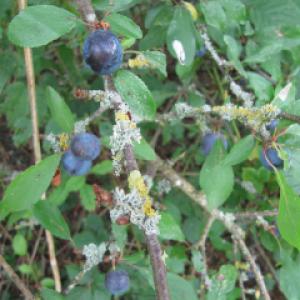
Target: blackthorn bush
103,52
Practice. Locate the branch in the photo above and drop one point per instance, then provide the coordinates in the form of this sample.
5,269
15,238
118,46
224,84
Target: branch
158,266
226,218
201,244
16,279
256,214
37,147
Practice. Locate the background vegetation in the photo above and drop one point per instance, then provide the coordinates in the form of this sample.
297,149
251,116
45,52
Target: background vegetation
172,90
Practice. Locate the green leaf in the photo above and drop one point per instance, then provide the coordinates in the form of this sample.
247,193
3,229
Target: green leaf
275,13
180,288
124,26
51,218
39,25
180,37
240,151
48,294
144,151
60,194
103,168
197,260
219,189
169,228
28,187
156,60
26,269
47,282
289,277
88,197
116,5
214,14
19,244
192,228
60,111
223,283
262,87
136,94
289,212
119,233
234,50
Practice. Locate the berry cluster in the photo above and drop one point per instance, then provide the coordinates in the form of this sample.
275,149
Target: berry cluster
84,148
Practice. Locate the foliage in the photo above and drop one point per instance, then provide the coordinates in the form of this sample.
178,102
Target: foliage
174,97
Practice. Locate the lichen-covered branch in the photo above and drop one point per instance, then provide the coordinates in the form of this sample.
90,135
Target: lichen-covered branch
158,266
226,218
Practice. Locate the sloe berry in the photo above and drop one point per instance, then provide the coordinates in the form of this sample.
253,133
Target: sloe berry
117,282
74,165
201,52
269,157
272,125
103,52
86,146
210,139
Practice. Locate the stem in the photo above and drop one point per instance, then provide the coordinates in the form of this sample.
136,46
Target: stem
16,279
37,147
201,245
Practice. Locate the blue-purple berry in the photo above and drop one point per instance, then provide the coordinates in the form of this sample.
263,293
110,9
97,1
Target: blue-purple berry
269,158
210,139
86,146
272,125
201,52
74,165
117,282
103,52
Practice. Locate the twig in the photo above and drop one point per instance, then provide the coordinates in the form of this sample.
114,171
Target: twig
36,245
223,65
256,214
36,145
226,218
74,282
201,244
158,266
290,117
256,270
16,279
241,282
265,257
